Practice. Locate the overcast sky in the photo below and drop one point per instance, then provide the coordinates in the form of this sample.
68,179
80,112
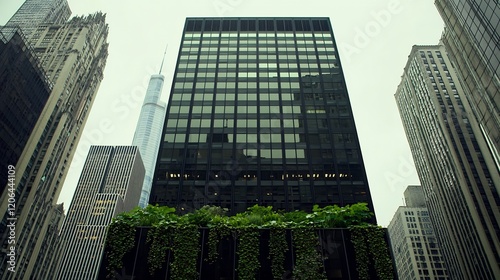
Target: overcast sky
374,40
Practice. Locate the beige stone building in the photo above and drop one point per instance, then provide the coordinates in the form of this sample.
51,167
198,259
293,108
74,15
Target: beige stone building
73,55
456,167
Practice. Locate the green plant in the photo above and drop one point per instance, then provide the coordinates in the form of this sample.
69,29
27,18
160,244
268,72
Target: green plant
360,252
248,253
371,247
153,215
380,253
121,233
160,238
215,234
333,216
203,216
277,249
185,249
308,261
180,234
213,245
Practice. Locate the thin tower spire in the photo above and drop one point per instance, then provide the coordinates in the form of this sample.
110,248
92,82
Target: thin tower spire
161,66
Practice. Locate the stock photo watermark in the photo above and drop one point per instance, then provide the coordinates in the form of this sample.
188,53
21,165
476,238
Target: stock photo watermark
405,169
11,220
363,36
223,6
120,110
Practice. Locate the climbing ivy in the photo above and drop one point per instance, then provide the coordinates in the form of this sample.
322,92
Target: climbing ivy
380,253
161,240
371,247
180,235
215,235
185,249
277,249
361,252
122,231
308,261
248,253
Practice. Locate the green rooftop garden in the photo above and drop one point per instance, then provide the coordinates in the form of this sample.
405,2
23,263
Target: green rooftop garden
180,235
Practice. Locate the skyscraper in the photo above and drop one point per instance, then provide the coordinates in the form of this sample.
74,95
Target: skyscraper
414,245
148,132
471,37
47,261
110,183
24,90
35,12
73,56
457,170
259,114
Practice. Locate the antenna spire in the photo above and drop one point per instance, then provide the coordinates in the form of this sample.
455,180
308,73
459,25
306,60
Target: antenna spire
161,66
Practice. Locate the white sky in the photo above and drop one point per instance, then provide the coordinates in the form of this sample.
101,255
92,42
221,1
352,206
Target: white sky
374,40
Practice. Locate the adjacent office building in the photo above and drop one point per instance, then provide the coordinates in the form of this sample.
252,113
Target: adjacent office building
110,183
471,37
73,56
35,12
259,114
148,131
414,245
456,167
47,261
24,90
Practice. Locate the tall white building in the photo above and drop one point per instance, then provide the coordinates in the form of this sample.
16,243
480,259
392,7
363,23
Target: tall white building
413,243
148,132
456,167
110,183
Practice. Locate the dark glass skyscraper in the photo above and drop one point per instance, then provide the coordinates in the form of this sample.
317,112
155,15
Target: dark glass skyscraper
24,90
471,37
259,114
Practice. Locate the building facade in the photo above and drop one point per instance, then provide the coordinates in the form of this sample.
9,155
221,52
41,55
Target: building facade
24,90
35,12
148,132
110,183
454,162
73,55
47,262
413,242
259,114
471,37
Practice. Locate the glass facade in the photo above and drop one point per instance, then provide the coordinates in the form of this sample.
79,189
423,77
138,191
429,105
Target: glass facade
259,114
472,37
35,12
148,132
24,90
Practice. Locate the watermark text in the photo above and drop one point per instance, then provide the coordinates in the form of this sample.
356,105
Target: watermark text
11,220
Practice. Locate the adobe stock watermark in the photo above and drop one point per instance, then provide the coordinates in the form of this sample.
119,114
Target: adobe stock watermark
119,110
223,6
371,29
405,169
11,219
